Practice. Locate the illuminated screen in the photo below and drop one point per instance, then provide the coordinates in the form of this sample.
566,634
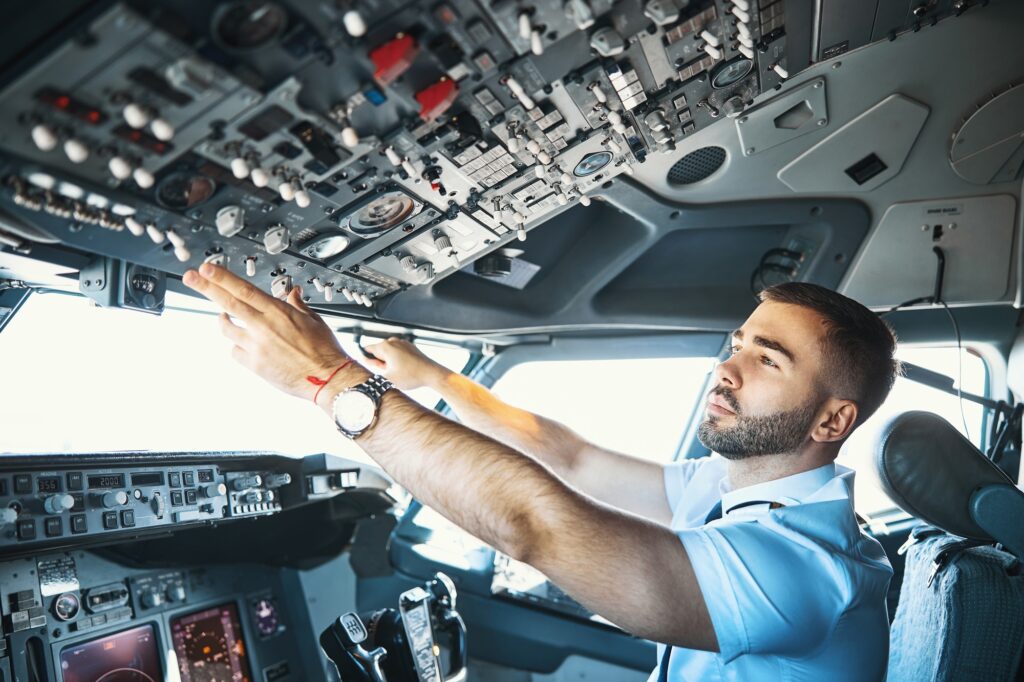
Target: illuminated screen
210,646
127,656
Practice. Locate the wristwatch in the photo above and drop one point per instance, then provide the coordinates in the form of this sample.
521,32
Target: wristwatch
355,409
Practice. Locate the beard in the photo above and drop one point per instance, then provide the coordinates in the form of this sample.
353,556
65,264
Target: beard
754,436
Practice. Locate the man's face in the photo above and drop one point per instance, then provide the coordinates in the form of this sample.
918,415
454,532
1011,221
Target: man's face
768,393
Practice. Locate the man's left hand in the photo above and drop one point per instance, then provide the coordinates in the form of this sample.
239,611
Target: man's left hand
282,341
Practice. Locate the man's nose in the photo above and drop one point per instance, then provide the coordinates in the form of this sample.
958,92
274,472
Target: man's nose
727,374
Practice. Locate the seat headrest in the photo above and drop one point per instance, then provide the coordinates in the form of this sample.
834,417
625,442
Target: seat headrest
932,472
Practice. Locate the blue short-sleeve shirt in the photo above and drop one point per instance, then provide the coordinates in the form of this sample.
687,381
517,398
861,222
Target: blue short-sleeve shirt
796,592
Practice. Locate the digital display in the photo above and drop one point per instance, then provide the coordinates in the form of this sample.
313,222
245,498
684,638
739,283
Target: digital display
106,481
210,646
48,484
127,656
148,478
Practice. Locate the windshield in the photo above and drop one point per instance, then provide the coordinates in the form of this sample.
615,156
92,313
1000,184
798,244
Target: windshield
78,378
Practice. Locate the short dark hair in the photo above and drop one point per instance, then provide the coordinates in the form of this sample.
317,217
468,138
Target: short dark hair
858,346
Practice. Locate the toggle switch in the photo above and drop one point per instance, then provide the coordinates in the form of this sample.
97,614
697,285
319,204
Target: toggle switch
287,189
354,23
329,292
134,226
120,167
302,197
250,266
44,137
162,130
349,136
137,115
143,178
260,177
240,168
75,150
536,42
156,234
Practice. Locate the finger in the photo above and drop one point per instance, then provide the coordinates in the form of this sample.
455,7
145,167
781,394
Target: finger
228,303
244,291
240,355
232,331
294,299
376,364
371,352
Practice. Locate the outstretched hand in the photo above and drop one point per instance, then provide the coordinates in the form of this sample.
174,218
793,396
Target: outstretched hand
281,341
403,364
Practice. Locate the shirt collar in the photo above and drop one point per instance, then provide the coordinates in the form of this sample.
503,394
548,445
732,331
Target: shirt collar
787,491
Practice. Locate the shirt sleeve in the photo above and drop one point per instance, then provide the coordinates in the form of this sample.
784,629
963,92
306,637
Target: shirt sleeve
766,592
677,476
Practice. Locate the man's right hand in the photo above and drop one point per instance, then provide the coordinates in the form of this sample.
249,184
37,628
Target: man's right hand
404,364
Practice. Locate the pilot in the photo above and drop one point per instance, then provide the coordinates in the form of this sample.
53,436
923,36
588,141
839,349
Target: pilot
748,564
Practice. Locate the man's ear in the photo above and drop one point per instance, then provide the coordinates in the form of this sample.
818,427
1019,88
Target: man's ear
838,419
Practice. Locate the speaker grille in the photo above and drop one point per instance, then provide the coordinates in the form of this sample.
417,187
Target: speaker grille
696,166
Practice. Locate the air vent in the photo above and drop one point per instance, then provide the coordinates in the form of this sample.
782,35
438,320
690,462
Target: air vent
696,166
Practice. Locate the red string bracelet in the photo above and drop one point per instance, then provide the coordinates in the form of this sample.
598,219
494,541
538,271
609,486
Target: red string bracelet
317,381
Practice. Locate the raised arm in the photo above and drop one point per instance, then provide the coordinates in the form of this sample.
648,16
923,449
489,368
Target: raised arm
619,480
494,492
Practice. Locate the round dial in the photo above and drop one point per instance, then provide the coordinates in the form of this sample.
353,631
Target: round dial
267,620
66,606
249,25
354,411
124,675
727,74
592,163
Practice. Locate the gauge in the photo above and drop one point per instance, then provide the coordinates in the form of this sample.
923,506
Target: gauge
592,163
727,74
249,25
383,213
267,621
66,606
184,191
324,247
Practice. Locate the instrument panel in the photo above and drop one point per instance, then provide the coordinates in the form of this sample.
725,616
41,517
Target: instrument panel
84,501
360,149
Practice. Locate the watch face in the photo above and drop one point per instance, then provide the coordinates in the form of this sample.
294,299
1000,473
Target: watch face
355,410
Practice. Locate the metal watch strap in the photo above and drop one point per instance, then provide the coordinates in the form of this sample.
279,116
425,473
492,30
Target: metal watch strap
376,386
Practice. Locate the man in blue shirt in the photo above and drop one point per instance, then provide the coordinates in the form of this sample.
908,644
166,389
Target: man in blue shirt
750,563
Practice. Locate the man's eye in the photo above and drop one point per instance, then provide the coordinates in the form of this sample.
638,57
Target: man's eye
733,350
767,361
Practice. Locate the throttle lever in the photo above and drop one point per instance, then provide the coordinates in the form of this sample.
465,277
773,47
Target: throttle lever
342,642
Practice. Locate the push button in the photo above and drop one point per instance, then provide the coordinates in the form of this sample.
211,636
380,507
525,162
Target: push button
22,484
27,529
78,523
54,527
75,480
176,498
3,487
190,497
188,478
174,479
127,518
110,520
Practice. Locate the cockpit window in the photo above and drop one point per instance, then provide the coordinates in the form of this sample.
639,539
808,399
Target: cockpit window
859,450
637,406
77,378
